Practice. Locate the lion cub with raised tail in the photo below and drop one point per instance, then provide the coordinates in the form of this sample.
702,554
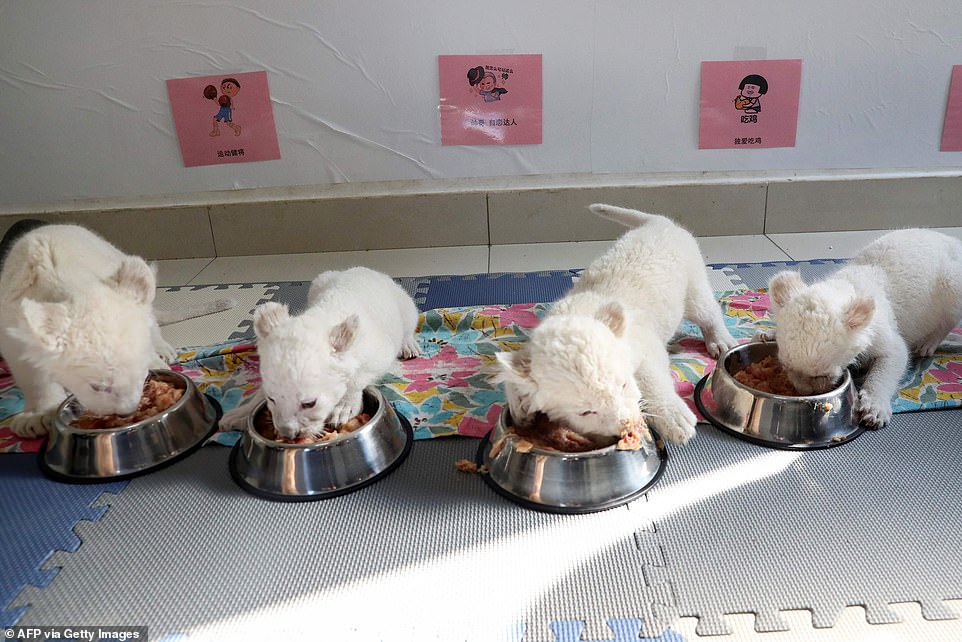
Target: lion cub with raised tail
599,359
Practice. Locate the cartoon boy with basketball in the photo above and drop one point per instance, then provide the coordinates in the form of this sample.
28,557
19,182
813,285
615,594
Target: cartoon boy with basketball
228,88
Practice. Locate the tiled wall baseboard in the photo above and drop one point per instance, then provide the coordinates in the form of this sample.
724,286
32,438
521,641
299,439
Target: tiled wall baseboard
503,211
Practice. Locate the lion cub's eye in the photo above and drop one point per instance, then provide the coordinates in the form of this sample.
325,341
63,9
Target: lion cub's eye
588,412
308,404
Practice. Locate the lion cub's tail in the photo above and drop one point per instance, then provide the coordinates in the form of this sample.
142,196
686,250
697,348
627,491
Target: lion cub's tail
625,216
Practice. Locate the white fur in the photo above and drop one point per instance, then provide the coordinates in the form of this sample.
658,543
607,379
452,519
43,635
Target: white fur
600,356
901,294
76,315
315,366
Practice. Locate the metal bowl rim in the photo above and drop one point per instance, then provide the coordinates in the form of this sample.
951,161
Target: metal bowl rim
483,454
247,486
68,478
596,453
834,392
65,427
263,441
703,387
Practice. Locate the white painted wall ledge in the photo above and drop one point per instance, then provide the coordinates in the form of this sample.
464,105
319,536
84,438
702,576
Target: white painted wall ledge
376,189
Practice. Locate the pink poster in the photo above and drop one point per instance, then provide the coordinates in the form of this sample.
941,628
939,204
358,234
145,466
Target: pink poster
749,103
952,128
490,99
224,119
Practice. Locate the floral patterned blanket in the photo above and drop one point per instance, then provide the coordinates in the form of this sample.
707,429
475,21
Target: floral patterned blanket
448,391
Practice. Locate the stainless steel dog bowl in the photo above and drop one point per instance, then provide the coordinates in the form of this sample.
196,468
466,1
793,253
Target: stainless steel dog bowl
777,421
81,455
563,482
303,472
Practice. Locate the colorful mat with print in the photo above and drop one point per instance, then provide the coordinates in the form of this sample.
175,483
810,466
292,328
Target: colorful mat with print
448,390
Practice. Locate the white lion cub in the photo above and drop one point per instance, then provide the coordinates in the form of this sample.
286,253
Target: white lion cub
315,366
76,315
600,356
900,294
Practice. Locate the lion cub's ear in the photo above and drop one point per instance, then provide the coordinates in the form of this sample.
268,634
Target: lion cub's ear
135,278
783,286
514,366
613,315
344,333
267,316
859,312
514,370
48,324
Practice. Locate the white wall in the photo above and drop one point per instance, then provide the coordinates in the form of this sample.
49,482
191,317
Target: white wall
84,110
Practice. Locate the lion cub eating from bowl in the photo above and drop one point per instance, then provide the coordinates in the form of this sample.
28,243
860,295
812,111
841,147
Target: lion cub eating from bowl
902,293
314,366
76,315
599,359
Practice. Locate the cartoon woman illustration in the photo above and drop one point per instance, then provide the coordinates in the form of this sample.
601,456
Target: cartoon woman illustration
486,84
751,87
229,88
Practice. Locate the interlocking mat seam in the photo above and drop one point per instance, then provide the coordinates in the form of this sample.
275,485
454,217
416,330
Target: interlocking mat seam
43,521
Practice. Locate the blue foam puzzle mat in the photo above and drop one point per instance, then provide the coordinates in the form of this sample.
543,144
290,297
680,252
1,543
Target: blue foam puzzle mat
492,289
451,291
37,517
